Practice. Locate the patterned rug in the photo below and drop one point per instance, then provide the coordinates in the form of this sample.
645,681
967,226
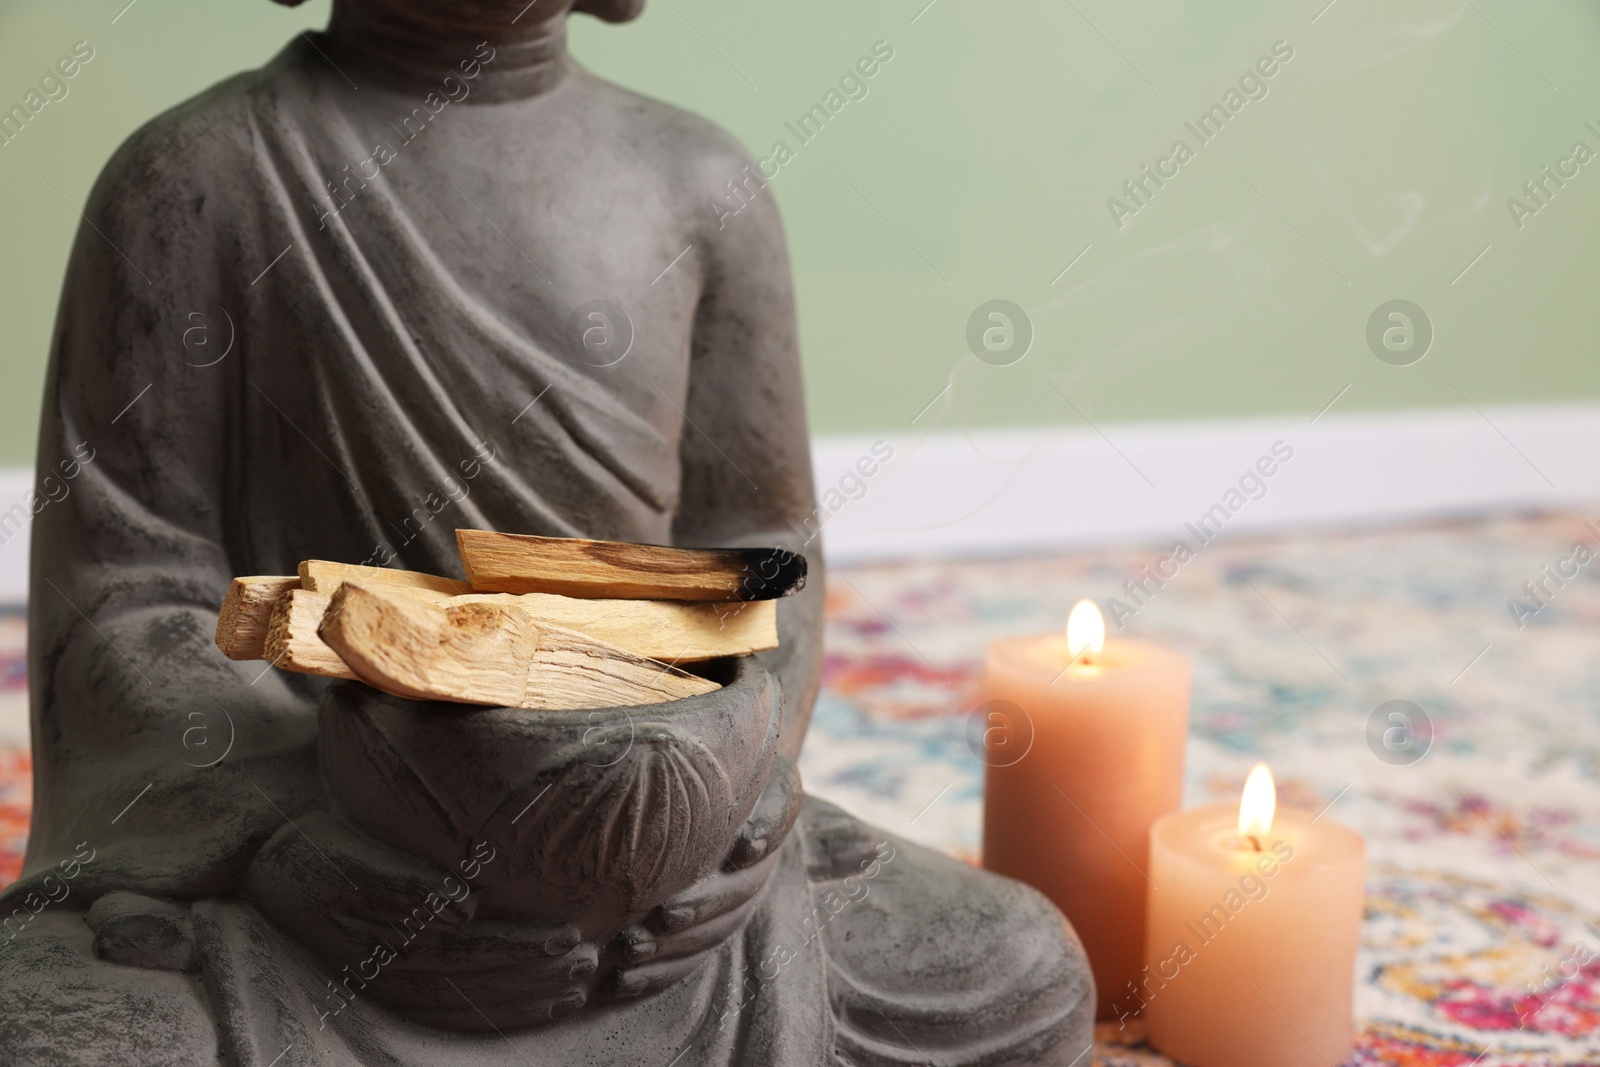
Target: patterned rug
1484,856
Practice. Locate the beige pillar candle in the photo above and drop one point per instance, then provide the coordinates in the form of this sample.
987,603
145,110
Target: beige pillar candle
1254,923
1084,751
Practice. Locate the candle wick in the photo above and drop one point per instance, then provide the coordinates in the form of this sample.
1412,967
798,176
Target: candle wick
1255,842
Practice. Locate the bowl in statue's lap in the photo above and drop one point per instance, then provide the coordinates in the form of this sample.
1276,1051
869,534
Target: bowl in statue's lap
591,815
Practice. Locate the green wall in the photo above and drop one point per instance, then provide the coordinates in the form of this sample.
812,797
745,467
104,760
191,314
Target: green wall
1377,166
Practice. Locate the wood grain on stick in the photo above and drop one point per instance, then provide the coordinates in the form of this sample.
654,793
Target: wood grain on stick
488,653
293,643
321,576
523,563
245,613
671,631
674,633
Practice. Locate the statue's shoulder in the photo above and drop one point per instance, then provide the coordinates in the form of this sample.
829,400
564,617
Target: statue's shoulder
187,150
675,141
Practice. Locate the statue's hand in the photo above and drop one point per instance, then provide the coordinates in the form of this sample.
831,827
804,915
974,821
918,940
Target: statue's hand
405,930
671,943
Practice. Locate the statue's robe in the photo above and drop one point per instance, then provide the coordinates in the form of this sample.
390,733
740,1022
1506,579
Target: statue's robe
244,378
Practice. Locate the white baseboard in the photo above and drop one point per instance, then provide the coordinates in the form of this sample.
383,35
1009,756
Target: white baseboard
15,485
1000,491
989,491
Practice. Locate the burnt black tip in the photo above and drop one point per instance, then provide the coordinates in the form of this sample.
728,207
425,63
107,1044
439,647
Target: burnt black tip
771,573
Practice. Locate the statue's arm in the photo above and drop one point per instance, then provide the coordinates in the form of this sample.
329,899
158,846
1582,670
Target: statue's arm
131,699
746,452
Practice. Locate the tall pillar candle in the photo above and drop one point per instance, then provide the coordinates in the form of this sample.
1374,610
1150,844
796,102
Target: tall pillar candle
1084,739
1254,925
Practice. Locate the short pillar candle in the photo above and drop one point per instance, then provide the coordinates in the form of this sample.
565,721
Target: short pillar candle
1255,918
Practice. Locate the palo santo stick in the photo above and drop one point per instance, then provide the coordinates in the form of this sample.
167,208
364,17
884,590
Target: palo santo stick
662,629
652,629
292,640
321,576
667,630
523,563
246,610
489,653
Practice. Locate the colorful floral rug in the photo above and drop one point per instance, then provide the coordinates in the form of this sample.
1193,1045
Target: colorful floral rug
1482,937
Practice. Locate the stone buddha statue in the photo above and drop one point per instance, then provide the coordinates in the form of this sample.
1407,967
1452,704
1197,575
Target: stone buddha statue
423,271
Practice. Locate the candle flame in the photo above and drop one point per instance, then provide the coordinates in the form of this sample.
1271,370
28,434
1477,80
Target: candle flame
1259,802
1086,629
